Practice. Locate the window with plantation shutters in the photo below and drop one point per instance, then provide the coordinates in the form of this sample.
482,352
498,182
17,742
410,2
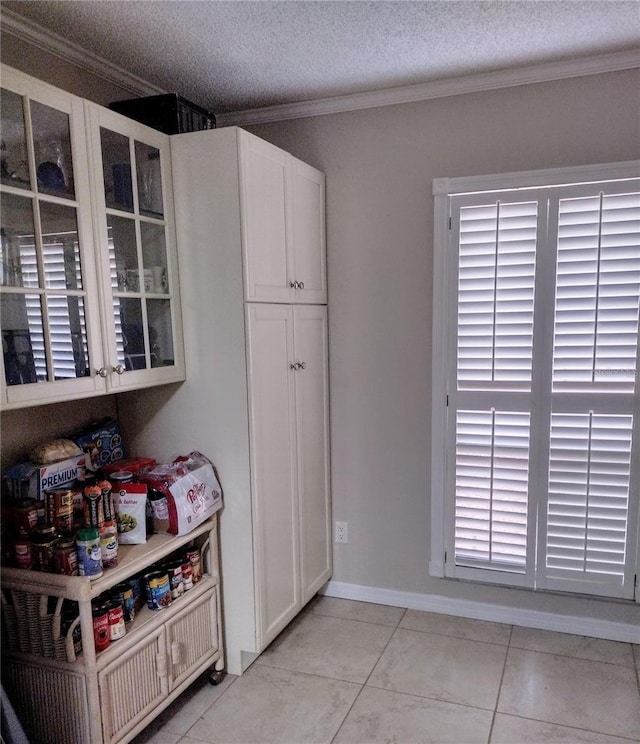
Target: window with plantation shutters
536,401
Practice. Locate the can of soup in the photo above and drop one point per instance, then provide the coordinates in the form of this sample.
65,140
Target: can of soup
123,593
101,632
158,589
174,569
116,620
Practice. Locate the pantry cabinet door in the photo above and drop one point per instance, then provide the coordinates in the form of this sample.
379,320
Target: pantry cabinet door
192,638
135,236
51,335
312,433
133,685
272,425
265,193
308,224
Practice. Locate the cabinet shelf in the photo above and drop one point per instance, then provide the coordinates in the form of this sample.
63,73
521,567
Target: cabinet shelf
131,559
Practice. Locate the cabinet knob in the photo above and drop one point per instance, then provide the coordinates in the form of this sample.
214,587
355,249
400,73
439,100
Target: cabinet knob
119,369
302,365
294,366
300,285
102,372
294,285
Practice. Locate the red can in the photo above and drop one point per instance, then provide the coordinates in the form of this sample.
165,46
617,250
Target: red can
23,552
193,556
65,557
116,620
101,631
187,575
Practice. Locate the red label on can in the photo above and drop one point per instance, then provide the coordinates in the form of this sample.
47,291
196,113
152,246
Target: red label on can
101,632
116,621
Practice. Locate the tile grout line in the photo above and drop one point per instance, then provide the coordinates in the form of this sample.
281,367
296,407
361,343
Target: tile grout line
355,700
504,669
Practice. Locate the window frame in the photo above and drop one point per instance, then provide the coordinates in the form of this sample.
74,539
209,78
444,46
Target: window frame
444,321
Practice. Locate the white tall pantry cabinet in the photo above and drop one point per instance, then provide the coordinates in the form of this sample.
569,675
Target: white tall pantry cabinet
250,227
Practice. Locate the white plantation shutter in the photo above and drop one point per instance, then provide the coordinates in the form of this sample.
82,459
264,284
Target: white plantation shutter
492,455
598,288
536,451
495,294
587,507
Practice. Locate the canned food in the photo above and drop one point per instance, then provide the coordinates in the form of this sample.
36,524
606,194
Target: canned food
116,620
193,556
158,590
23,552
187,575
101,632
42,542
175,579
109,545
123,593
25,515
89,553
65,557
121,476
59,506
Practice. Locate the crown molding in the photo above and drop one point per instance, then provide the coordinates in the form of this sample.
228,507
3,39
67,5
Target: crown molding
484,81
41,38
30,32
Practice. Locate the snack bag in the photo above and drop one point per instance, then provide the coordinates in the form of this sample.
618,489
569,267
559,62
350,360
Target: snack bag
192,489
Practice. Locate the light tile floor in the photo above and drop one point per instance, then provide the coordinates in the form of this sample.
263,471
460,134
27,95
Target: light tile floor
356,673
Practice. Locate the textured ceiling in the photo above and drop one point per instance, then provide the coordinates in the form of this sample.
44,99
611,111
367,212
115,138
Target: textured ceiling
231,56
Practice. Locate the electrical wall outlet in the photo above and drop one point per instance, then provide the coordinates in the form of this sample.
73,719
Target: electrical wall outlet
341,532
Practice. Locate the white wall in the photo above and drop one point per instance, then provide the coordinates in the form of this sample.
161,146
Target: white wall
380,164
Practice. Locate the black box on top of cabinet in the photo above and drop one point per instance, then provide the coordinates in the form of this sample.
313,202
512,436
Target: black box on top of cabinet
169,112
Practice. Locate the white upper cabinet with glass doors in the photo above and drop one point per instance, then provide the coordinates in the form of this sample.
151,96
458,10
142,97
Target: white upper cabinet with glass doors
135,235
50,320
88,270
283,225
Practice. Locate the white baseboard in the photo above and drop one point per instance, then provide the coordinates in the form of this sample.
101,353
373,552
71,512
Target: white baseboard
593,627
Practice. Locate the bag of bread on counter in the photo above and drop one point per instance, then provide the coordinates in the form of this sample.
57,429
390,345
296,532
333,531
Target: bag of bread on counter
191,487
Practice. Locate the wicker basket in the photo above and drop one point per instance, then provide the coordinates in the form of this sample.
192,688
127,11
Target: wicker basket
33,625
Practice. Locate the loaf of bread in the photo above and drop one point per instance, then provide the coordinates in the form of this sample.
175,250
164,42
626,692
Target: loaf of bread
54,451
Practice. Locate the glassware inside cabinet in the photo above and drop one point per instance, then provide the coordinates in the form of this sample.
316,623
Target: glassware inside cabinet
116,165
154,258
44,333
14,161
160,332
52,148
149,180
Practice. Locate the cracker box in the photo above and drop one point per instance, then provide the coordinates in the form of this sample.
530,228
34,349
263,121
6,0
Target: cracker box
29,481
101,441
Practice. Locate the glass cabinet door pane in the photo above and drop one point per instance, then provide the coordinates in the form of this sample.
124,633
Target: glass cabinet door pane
160,332
68,336
134,351
154,258
116,165
22,338
14,163
149,180
19,262
60,246
52,146
123,254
